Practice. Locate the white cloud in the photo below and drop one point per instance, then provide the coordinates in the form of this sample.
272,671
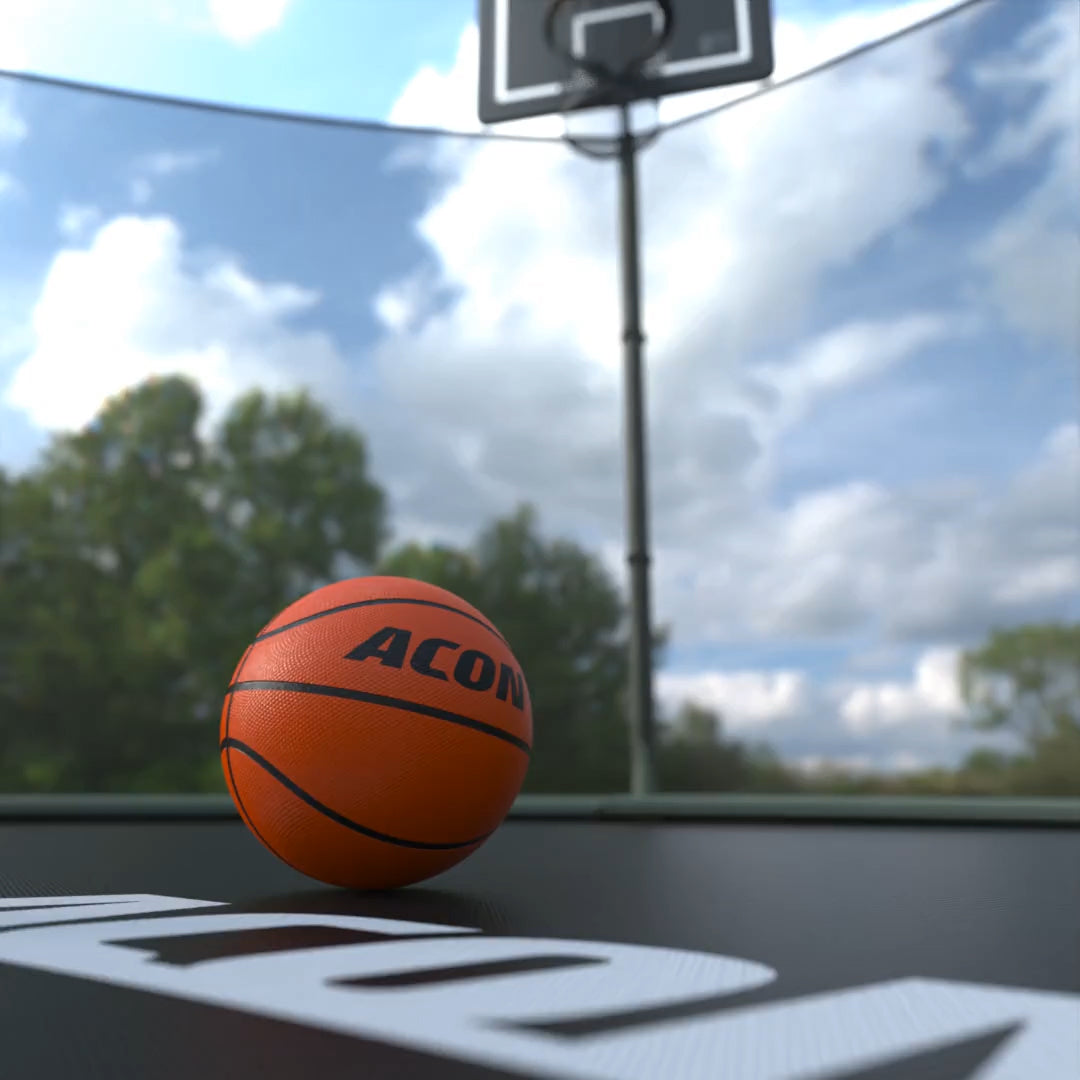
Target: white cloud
859,558
1001,558
1033,256
747,700
800,46
244,21
1034,265
441,99
850,354
931,696
13,129
908,720
903,761
75,221
745,216
132,304
12,126
447,99
520,371
1040,68
816,765
170,162
162,164
900,761
727,232
16,21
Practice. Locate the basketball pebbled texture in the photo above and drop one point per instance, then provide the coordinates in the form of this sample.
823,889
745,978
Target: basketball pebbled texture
381,768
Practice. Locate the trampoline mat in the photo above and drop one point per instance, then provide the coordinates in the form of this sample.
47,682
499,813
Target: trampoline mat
573,949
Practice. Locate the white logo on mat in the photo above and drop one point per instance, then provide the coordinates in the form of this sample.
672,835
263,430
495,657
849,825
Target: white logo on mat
485,1018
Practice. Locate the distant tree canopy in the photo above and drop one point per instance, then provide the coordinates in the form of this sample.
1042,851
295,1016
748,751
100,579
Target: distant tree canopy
138,559
140,555
695,755
566,622
1026,680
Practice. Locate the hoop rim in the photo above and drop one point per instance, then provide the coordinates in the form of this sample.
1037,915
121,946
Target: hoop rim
603,79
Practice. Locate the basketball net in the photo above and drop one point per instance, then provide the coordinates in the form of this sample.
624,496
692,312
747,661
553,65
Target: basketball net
594,83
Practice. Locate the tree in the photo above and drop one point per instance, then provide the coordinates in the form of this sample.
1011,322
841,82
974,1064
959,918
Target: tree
142,557
693,755
567,624
293,496
1026,681
696,725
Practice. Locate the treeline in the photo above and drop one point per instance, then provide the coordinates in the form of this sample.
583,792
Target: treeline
140,555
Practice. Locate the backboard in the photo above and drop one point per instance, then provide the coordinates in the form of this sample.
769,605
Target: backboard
712,43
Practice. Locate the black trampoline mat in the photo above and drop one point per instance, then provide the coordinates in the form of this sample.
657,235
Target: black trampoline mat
600,950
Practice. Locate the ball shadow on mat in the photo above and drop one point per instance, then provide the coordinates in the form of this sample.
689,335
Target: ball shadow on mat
414,904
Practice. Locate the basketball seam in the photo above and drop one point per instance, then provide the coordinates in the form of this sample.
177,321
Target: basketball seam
348,694
225,743
355,604
340,819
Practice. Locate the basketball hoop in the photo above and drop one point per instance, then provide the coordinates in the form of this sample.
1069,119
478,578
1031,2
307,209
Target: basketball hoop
536,60
611,85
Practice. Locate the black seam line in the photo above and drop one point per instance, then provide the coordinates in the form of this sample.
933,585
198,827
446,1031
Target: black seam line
244,814
382,600
333,815
379,699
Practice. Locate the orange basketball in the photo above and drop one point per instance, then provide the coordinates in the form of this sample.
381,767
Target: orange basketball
376,732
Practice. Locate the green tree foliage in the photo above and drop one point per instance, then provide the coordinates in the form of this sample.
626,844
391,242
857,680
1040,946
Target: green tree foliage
296,494
141,554
695,755
1026,681
568,625
139,558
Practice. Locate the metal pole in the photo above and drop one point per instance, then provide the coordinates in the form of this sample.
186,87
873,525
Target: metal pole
641,695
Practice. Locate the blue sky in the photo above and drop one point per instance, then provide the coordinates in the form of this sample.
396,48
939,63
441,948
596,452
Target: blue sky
863,344
335,57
